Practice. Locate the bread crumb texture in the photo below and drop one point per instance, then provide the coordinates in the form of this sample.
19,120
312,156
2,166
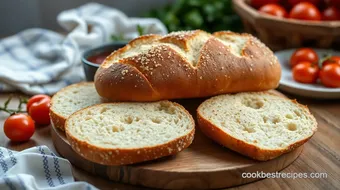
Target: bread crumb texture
74,98
130,125
262,119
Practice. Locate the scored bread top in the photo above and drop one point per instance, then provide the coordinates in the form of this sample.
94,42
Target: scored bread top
264,125
71,99
125,133
186,65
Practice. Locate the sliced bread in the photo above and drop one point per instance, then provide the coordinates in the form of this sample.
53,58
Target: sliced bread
260,125
71,99
127,133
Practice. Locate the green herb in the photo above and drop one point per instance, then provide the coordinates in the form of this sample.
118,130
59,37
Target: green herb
209,15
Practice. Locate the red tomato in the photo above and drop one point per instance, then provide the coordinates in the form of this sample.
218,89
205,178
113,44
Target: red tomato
35,98
274,9
333,59
306,72
38,108
305,11
304,54
259,3
331,13
330,75
294,2
19,127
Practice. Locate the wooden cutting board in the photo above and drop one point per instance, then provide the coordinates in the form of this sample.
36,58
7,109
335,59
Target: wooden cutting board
204,165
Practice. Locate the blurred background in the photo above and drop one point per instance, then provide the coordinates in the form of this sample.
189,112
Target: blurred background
176,15
42,13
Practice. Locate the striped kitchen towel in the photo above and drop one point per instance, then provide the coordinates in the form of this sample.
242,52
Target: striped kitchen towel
36,168
38,61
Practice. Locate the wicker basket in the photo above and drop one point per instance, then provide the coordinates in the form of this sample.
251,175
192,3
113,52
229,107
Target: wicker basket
280,33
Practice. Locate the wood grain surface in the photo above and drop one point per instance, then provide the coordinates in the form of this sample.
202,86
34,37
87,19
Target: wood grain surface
320,154
203,165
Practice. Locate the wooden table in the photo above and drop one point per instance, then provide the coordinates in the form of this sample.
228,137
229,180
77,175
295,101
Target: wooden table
320,154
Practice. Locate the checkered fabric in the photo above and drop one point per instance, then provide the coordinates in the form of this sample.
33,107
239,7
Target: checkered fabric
37,61
36,168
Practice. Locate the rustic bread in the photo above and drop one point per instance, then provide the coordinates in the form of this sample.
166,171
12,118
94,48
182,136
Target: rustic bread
259,125
186,65
127,133
71,99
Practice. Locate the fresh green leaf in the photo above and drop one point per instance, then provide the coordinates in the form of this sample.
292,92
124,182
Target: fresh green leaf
209,15
194,18
194,3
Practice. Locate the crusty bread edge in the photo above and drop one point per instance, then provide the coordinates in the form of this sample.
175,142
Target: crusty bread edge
57,119
244,148
124,156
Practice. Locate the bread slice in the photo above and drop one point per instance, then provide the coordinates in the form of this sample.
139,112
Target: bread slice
127,133
71,99
260,125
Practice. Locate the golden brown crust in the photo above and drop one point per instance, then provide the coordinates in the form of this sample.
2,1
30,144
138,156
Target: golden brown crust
124,156
166,72
57,120
243,147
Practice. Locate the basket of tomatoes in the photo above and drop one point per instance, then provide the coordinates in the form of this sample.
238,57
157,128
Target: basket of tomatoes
283,24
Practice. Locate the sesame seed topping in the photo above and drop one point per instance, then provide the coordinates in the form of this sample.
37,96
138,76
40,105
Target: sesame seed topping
124,72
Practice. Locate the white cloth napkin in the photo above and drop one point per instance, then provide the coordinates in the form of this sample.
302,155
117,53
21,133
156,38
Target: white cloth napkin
36,168
41,61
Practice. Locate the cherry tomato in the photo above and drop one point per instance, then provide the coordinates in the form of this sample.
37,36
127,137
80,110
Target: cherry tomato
19,127
274,9
305,11
38,108
331,60
294,2
331,13
259,3
303,54
330,75
35,98
306,72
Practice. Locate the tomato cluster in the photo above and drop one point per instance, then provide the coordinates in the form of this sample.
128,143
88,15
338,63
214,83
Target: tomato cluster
314,10
20,127
307,68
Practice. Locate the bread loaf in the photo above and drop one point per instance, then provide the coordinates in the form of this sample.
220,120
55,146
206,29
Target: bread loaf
187,65
127,133
260,125
71,99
